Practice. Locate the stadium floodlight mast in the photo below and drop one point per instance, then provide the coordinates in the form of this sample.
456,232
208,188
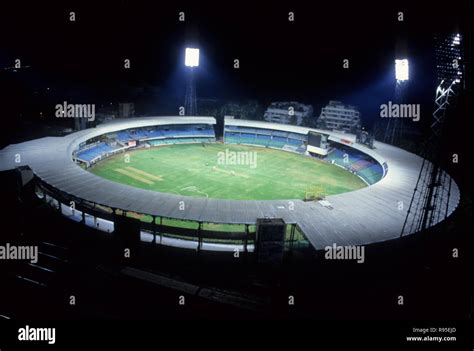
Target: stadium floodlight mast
401,70
394,127
191,60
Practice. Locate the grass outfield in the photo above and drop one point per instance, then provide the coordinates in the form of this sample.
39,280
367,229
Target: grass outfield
194,170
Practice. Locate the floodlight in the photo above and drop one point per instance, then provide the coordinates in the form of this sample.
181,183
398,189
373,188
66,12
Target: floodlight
401,70
191,57
457,40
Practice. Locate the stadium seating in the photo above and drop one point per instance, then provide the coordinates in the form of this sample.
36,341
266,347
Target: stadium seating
300,137
265,137
170,141
294,142
277,133
167,131
94,152
154,136
357,162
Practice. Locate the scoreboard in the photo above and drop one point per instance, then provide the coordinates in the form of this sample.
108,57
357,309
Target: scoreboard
318,143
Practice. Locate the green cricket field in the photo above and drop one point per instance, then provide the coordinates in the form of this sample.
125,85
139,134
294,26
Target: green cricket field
227,171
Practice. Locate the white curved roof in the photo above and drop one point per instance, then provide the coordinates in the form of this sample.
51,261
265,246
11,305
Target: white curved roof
360,217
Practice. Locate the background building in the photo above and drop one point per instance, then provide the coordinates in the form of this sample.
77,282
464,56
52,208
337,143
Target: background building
339,116
249,109
126,109
80,123
290,112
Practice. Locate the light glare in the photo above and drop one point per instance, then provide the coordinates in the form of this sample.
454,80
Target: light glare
191,57
401,70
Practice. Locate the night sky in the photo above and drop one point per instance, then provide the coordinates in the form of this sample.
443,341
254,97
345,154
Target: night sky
82,61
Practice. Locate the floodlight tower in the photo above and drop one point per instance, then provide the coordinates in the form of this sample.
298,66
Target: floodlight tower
191,61
402,75
431,196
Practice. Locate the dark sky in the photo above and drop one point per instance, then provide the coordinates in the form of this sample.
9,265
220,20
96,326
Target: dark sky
280,60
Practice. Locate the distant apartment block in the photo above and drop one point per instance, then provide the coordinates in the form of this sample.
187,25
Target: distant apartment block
339,116
288,112
126,109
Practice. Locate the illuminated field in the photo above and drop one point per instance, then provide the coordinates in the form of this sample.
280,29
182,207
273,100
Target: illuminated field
227,172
